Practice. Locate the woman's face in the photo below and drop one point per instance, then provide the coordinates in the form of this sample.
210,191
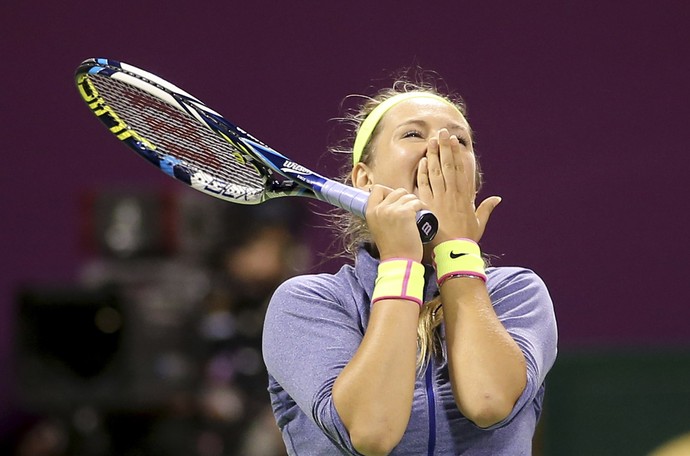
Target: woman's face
402,140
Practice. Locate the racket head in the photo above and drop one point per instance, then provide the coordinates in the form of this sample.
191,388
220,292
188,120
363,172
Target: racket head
178,133
190,142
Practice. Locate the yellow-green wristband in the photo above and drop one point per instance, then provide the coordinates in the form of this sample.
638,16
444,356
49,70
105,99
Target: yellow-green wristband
458,258
399,278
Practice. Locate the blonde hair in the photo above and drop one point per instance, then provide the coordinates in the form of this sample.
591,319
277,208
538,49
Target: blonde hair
354,230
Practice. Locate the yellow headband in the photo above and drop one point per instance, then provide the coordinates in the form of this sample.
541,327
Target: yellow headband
366,129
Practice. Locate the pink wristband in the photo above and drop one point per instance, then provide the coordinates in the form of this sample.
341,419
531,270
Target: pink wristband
399,278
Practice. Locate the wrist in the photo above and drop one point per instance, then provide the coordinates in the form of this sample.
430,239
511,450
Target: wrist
458,258
399,278
385,254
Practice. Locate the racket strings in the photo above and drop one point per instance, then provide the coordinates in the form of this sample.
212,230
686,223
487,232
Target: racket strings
177,134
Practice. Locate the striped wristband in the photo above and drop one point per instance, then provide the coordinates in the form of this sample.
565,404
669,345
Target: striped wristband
399,278
458,258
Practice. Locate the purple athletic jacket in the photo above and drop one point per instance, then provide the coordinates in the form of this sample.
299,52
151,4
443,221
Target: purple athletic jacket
315,323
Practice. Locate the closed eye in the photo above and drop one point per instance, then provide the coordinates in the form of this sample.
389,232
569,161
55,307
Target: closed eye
412,134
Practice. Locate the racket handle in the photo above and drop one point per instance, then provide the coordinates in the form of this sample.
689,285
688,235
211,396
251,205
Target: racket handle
355,200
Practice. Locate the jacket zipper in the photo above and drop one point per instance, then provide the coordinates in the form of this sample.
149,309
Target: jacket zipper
431,404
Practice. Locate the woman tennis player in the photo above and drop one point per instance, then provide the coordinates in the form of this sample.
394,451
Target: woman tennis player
417,349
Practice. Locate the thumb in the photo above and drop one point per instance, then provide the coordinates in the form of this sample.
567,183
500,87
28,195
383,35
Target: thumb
378,193
486,208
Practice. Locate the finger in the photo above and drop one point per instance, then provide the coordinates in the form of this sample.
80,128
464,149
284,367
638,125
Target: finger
414,204
485,209
395,195
434,167
407,206
461,179
447,159
377,193
423,184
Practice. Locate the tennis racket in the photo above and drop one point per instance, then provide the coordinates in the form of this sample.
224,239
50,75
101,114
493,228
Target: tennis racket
181,136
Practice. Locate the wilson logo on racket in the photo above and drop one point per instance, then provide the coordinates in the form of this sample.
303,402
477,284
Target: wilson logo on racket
289,166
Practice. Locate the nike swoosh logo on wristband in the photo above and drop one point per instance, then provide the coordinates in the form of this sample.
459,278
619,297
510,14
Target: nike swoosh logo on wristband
456,255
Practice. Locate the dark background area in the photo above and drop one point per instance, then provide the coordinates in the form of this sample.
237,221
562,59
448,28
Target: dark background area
579,108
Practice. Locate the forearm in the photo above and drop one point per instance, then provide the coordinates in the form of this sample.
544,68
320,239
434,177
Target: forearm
487,368
374,392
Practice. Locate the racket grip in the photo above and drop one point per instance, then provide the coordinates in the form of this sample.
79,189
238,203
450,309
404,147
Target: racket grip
355,200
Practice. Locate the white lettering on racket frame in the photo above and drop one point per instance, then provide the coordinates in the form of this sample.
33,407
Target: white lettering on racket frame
292,167
206,183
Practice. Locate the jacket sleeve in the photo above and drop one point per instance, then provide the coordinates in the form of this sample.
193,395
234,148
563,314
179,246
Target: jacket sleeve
309,337
524,307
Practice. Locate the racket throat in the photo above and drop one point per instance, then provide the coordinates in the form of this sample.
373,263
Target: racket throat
276,188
